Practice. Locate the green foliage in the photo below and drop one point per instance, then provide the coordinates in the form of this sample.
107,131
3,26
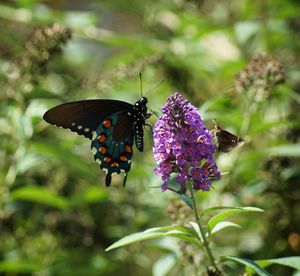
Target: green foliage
56,216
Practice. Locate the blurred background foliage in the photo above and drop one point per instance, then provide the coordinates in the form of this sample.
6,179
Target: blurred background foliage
56,216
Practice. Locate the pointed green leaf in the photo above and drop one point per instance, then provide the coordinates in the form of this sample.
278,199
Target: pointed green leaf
189,239
180,232
223,224
229,212
15,267
217,208
40,195
164,265
135,238
183,229
187,201
91,194
291,150
248,263
197,230
293,262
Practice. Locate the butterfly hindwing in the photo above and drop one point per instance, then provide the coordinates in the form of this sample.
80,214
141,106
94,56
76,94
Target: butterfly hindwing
112,144
83,117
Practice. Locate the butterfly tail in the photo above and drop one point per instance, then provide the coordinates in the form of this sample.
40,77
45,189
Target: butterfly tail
108,180
125,179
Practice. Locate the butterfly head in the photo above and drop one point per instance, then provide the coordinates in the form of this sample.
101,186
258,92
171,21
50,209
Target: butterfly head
140,109
143,100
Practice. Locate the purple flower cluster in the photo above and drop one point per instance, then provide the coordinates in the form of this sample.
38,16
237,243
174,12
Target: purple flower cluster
183,145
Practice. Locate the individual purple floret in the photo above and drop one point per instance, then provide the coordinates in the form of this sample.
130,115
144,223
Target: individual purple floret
184,146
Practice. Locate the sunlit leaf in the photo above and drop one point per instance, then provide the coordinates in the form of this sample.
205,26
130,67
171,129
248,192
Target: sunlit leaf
293,262
229,212
164,265
222,225
92,194
18,266
180,232
40,195
291,150
248,263
246,29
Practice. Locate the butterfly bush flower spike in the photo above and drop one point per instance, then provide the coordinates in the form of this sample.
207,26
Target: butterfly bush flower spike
184,146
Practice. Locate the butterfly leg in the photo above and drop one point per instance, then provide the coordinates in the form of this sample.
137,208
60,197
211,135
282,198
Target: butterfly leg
151,129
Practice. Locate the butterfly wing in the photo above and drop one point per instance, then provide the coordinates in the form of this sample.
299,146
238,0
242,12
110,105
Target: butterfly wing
83,117
227,141
112,144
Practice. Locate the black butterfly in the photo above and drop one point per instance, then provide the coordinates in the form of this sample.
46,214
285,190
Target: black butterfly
113,126
226,141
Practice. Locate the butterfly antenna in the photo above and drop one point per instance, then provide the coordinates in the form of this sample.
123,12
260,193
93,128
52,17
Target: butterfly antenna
154,112
151,89
141,84
149,132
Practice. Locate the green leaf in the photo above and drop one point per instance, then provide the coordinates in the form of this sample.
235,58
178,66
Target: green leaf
248,263
217,208
164,265
224,224
290,150
262,126
187,200
293,262
134,238
182,229
18,267
213,209
91,194
180,232
56,151
229,212
246,29
40,195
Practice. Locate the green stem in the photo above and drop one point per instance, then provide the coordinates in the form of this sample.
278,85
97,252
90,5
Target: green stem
205,241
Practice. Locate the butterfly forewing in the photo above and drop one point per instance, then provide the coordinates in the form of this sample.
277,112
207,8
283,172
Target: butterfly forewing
226,141
83,117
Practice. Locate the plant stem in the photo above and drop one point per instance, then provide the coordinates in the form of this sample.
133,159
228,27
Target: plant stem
205,241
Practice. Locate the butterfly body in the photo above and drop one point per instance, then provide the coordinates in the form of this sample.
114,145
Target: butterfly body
113,126
226,141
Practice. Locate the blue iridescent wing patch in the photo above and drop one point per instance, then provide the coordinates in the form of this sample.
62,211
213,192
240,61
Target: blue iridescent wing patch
112,143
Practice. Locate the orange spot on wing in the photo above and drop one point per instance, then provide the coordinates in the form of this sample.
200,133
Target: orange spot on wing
123,158
107,159
102,150
128,149
102,138
107,123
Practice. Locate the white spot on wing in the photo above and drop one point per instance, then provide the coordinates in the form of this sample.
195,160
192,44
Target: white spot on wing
79,127
94,150
86,129
94,135
98,161
73,124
